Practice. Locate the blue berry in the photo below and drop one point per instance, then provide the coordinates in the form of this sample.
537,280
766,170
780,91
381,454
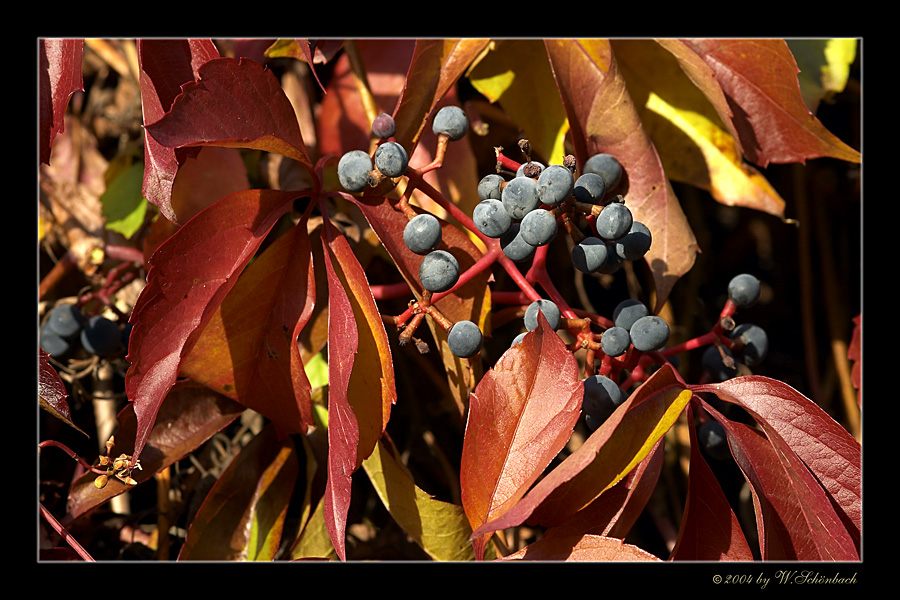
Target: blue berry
538,227
589,188
713,439
520,197
615,341
465,339
754,343
614,221
518,339
353,170
384,126
720,368
53,343
649,333
514,247
101,336
66,320
589,254
438,271
613,261
634,244
451,121
551,313
601,397
744,290
555,184
391,159
607,167
489,187
491,218
533,169
422,233
627,312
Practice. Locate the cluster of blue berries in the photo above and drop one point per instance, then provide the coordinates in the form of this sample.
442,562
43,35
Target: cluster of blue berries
634,327
66,330
750,343
527,211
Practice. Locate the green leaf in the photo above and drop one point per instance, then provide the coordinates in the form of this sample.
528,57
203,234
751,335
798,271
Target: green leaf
124,207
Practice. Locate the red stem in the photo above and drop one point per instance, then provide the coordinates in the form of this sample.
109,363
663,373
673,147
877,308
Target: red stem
65,534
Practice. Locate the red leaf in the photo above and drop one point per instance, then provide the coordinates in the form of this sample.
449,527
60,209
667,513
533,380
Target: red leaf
52,392
189,276
521,415
343,429
165,66
59,76
709,528
371,391
854,353
236,104
759,78
798,426
795,519
248,351
603,118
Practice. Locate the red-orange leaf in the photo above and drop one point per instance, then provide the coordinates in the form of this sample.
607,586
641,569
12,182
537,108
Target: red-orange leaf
189,276
521,415
590,548
794,517
709,528
606,457
798,426
248,351
190,415
436,66
236,104
603,118
759,77
243,515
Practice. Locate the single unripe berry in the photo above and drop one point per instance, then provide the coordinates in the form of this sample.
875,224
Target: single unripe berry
384,126
744,290
451,121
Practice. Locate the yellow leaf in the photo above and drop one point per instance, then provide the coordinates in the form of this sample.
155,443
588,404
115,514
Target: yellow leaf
517,74
439,528
722,171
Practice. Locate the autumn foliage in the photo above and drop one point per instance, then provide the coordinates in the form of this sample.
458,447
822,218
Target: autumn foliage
268,289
